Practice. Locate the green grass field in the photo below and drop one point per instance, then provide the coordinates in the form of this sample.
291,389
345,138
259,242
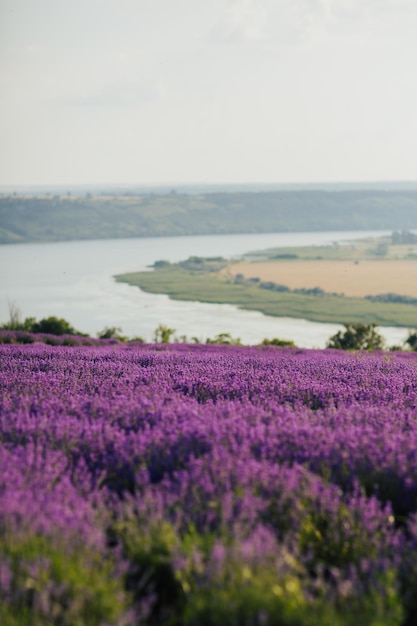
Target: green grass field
182,284
361,250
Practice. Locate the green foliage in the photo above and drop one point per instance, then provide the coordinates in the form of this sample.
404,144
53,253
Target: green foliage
53,326
278,342
163,334
357,337
150,577
224,339
180,339
409,586
381,249
111,332
411,341
136,339
392,297
50,325
182,284
59,218
52,583
15,321
52,340
204,264
25,325
244,596
191,579
368,248
403,237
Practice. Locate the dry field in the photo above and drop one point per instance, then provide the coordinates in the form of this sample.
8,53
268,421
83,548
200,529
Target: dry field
352,279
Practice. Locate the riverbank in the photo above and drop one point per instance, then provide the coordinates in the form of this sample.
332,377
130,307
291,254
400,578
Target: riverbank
48,218
74,280
180,283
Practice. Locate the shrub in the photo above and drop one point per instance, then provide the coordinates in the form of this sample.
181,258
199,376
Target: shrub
54,326
111,332
278,342
411,341
357,337
163,334
224,339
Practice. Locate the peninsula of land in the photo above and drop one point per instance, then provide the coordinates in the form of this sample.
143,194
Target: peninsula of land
367,281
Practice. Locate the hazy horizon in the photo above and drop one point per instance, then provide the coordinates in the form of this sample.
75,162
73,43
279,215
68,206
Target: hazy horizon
214,187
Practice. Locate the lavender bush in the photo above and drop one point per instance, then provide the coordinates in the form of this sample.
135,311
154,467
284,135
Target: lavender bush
207,485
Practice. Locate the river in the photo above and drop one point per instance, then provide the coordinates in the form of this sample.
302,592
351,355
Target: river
75,280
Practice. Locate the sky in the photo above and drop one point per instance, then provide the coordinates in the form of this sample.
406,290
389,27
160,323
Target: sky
207,91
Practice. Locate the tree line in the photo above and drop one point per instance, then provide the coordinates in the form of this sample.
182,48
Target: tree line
63,218
353,337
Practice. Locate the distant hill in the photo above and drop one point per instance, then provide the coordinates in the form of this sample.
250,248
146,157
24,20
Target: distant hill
25,218
198,188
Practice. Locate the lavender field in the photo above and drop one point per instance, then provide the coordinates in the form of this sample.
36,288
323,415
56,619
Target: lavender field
207,485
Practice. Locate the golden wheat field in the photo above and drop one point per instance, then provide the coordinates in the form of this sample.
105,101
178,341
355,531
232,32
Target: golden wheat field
347,277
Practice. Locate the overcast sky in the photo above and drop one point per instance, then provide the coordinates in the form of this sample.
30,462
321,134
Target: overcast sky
165,91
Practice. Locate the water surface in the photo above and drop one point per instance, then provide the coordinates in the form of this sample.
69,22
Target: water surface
75,280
